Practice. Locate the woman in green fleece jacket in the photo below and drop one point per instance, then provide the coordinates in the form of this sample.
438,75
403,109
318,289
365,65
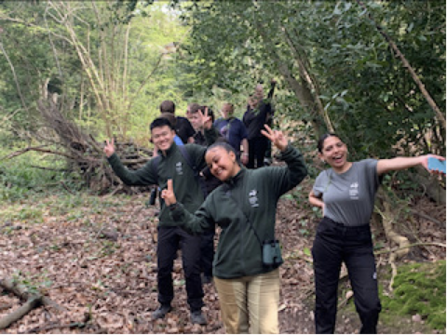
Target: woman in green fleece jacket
245,209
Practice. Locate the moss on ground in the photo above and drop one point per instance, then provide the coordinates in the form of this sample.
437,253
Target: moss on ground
419,288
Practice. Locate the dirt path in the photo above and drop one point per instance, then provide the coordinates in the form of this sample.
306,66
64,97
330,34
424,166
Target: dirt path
99,262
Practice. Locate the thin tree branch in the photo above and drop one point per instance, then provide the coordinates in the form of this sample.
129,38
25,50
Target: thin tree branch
407,65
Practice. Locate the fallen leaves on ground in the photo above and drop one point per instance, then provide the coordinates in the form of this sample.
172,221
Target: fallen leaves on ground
102,268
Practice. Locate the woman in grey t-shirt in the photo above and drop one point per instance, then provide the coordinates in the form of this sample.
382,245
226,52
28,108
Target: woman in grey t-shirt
346,194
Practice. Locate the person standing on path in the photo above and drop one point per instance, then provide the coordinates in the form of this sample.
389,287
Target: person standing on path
346,194
247,259
172,165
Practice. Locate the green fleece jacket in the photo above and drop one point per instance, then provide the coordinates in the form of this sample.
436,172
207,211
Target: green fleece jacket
172,166
251,194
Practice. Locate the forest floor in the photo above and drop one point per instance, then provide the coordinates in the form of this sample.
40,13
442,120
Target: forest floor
95,256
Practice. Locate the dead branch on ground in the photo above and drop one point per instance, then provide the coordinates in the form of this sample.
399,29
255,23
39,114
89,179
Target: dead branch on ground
33,302
22,292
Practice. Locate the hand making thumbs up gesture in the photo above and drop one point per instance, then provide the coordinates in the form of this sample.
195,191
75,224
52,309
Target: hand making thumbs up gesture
168,194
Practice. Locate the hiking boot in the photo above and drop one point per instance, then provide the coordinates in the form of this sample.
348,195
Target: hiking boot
198,318
161,312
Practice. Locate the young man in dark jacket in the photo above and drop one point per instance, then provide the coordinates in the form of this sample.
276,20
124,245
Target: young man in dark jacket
172,165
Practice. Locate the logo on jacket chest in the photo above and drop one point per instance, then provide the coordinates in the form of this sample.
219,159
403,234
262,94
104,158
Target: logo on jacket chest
253,198
179,168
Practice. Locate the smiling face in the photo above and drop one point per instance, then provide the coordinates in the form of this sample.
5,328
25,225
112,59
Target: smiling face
334,152
163,137
222,163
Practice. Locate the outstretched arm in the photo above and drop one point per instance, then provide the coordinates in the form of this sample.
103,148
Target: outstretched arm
402,163
142,176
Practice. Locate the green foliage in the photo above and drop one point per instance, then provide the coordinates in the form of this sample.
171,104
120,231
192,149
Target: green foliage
29,174
419,289
127,46
369,96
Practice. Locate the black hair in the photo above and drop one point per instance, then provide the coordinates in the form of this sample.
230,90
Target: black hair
161,122
222,144
194,108
323,138
210,113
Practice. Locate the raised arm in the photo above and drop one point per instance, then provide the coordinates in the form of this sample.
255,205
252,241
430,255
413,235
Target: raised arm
210,132
109,148
272,89
195,223
402,163
142,176
285,178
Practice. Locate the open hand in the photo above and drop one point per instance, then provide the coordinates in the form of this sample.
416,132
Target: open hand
276,137
205,118
168,194
109,148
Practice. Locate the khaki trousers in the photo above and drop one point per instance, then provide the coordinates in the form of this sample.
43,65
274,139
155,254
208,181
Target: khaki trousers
250,304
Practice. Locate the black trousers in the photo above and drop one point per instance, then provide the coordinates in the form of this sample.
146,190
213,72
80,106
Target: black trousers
169,241
335,243
207,252
256,152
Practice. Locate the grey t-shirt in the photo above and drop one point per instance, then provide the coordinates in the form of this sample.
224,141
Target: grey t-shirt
349,197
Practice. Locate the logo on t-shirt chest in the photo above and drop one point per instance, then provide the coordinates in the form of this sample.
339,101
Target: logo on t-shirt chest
354,191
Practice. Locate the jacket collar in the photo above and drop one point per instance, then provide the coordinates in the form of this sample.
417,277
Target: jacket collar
237,179
172,148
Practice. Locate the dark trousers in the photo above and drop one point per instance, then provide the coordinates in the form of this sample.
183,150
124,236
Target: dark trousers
335,243
207,252
256,152
169,241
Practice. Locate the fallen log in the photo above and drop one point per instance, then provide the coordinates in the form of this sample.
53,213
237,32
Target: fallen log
32,303
7,306
22,292
55,326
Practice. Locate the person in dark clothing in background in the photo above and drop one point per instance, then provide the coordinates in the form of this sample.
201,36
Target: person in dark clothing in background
173,165
234,131
259,111
183,127
211,182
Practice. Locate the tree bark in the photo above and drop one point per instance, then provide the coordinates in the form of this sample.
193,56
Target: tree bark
301,91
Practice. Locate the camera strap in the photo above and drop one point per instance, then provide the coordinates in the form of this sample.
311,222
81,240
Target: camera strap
228,193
